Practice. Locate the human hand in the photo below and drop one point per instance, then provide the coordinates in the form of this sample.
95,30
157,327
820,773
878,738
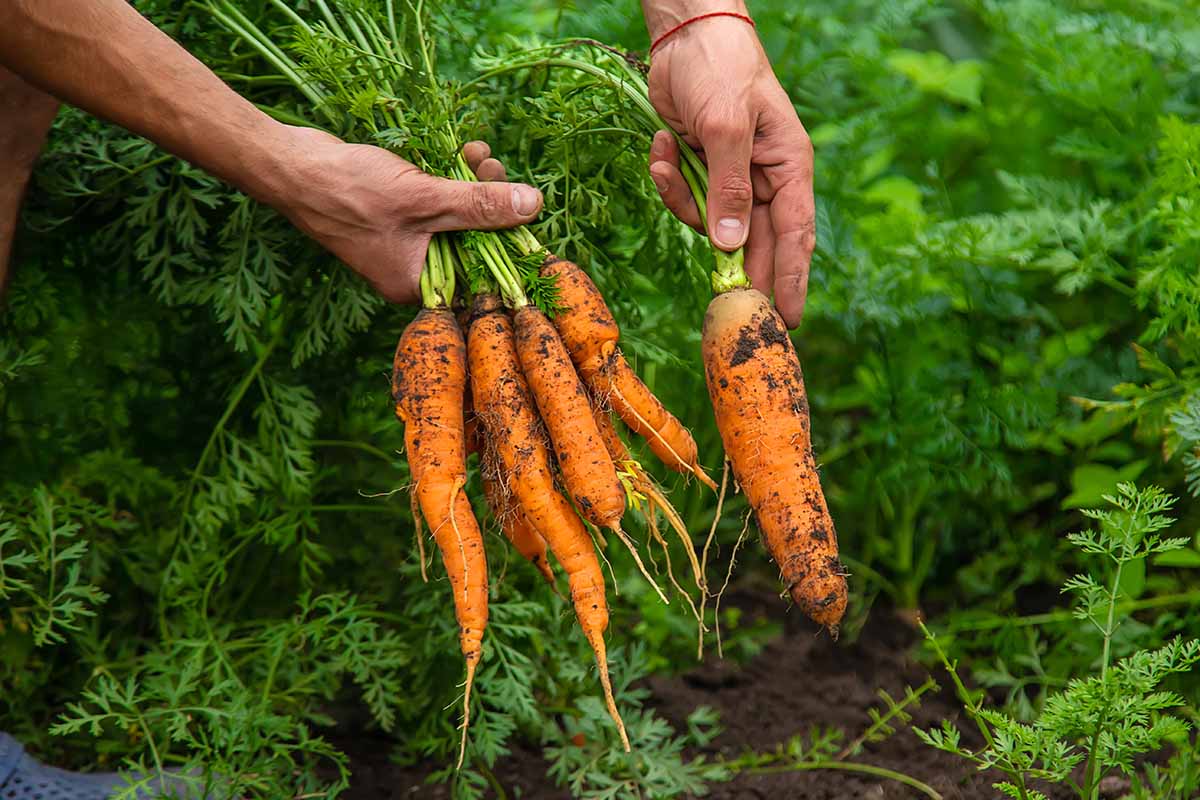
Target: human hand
377,212
713,83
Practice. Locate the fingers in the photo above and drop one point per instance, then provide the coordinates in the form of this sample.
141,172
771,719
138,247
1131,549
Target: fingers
793,215
465,205
728,142
475,153
478,156
664,171
760,249
491,170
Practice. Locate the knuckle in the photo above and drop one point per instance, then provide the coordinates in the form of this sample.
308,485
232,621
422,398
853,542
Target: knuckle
736,188
484,203
732,122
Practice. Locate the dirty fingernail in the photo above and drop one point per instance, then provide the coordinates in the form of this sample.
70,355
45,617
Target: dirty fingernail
524,200
730,231
660,182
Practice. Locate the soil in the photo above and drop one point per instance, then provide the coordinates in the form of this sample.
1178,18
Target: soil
800,680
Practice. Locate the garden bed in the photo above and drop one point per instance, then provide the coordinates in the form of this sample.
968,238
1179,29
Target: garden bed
800,681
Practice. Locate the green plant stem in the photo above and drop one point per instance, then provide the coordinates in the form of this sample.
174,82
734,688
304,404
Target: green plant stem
729,272
1091,772
847,766
352,445
1054,617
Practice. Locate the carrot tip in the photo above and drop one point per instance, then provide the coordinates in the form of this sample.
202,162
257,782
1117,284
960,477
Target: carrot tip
597,643
704,478
462,748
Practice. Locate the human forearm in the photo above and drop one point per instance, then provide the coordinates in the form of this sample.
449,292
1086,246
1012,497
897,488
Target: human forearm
25,117
662,15
107,59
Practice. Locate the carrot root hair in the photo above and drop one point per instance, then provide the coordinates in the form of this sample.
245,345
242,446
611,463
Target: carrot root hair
417,532
597,643
466,723
637,559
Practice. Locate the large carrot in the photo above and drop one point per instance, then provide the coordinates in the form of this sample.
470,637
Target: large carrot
586,466
504,405
429,380
591,335
758,397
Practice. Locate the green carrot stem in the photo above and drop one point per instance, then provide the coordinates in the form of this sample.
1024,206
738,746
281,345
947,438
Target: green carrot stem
729,272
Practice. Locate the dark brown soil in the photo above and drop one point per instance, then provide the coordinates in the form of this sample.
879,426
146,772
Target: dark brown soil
799,681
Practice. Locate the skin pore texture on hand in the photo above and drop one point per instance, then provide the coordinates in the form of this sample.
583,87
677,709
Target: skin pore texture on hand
712,81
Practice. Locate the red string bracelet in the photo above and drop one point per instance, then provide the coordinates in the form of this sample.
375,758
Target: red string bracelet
690,20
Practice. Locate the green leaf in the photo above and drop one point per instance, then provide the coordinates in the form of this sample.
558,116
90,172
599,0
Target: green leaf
1091,482
934,73
1186,559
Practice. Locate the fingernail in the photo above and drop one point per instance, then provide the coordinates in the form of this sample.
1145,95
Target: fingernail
730,231
524,200
659,145
659,182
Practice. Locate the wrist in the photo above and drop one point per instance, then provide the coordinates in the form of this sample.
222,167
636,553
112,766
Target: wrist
662,15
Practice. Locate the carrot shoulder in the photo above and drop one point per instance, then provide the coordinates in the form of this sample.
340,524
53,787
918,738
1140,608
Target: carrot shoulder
506,409
429,380
758,397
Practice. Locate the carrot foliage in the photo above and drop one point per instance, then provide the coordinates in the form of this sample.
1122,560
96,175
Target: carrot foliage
202,561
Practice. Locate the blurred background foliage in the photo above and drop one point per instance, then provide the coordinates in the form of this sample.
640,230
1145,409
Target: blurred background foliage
202,554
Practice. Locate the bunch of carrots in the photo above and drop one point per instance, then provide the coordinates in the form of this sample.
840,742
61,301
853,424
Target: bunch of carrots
515,359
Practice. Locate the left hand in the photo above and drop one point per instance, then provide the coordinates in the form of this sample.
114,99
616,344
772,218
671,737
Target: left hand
712,82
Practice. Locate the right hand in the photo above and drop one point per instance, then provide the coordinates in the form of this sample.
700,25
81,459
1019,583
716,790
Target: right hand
713,84
377,212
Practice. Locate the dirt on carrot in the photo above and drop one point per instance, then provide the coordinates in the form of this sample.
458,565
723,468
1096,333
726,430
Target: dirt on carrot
591,336
429,380
504,405
758,397
586,466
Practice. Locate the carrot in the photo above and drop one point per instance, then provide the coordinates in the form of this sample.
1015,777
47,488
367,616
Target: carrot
758,397
504,405
429,380
586,466
528,542
591,336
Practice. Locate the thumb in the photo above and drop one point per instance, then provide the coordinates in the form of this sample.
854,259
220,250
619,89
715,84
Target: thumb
467,205
730,193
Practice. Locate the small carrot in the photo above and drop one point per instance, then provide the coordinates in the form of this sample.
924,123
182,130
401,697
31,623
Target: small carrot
528,542
591,336
429,379
758,397
504,405
586,466
649,499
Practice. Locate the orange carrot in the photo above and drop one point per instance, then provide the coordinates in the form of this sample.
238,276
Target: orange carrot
528,542
429,380
591,334
586,466
758,397
506,409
